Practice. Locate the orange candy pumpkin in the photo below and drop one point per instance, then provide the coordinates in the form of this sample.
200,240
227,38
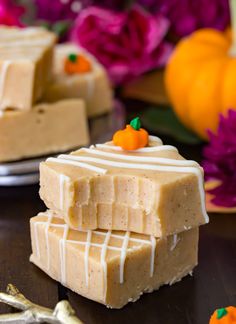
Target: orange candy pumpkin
200,79
132,137
225,315
76,63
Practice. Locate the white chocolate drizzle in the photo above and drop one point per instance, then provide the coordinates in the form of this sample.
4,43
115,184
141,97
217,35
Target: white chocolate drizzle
62,249
155,139
47,240
86,257
103,259
153,250
62,180
123,254
134,158
160,164
123,250
149,149
175,242
78,164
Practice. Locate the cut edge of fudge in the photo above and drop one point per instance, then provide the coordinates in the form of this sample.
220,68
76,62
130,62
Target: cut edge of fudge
110,267
81,179
26,55
46,129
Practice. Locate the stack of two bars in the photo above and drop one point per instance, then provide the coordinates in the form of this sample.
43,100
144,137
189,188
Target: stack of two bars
120,223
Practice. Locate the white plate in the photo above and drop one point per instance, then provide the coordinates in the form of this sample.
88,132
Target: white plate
19,180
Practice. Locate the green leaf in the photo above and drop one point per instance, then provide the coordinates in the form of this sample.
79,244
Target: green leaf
72,57
135,123
163,120
221,312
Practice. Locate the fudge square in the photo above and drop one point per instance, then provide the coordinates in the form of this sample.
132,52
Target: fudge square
45,129
152,190
25,65
91,85
110,267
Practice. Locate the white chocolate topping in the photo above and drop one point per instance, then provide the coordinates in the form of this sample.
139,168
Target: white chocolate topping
99,159
88,243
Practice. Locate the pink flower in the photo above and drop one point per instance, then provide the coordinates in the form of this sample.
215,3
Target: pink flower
10,13
188,15
126,43
220,161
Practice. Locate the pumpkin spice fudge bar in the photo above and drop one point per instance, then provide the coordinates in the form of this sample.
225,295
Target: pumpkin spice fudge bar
151,190
77,74
45,129
25,65
110,267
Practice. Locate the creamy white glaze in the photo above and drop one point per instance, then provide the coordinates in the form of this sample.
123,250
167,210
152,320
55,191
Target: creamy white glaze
78,164
103,259
62,248
88,244
134,158
47,239
155,139
153,250
62,180
149,149
175,242
123,254
86,256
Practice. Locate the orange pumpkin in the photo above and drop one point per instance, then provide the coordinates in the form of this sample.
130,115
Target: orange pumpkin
132,137
224,316
76,63
200,79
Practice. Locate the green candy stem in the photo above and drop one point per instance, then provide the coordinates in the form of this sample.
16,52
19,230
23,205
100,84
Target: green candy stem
72,57
136,123
221,313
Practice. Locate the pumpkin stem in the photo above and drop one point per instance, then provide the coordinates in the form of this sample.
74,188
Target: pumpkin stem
136,123
232,50
221,313
72,57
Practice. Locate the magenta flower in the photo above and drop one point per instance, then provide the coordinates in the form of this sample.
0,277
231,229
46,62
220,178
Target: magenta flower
10,13
188,15
220,163
57,10
127,43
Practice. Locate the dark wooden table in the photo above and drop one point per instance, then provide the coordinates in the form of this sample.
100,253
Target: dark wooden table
190,301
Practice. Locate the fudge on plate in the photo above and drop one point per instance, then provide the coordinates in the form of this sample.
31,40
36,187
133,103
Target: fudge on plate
87,80
152,190
25,65
45,129
110,267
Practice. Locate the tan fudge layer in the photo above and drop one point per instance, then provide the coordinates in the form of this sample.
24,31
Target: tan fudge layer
25,65
112,268
151,191
45,129
92,86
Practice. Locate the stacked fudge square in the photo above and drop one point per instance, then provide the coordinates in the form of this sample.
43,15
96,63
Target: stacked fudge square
119,223
42,107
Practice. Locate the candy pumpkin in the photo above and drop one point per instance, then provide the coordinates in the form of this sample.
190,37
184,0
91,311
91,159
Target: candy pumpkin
76,63
225,315
200,79
132,137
